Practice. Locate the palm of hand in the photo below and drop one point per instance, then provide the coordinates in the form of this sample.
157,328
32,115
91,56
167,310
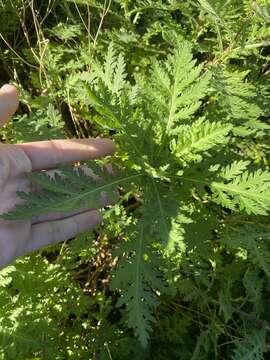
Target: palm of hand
15,235
21,237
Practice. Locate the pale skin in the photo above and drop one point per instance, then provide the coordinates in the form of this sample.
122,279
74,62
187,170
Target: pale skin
22,237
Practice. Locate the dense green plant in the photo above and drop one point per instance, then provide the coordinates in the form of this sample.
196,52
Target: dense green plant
183,91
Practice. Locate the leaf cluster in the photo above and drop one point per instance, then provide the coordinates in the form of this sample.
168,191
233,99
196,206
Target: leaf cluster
182,89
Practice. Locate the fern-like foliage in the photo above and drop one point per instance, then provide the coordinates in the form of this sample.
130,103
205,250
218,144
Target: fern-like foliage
69,189
182,87
177,87
112,72
172,156
247,191
137,276
252,240
139,273
252,347
201,136
229,172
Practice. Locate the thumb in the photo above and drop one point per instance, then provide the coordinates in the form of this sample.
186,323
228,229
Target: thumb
9,101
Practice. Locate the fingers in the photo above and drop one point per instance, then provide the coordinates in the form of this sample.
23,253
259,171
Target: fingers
9,101
47,154
53,232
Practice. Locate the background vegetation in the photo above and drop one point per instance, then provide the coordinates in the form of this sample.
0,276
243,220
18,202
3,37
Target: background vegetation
199,289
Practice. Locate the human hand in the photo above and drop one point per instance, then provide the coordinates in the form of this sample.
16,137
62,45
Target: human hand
21,237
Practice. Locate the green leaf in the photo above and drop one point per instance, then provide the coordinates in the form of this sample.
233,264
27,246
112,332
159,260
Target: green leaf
177,87
199,137
252,347
136,277
254,241
248,191
235,169
225,303
70,189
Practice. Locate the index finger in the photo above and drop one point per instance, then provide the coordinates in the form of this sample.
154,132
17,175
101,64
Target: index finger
9,101
48,154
